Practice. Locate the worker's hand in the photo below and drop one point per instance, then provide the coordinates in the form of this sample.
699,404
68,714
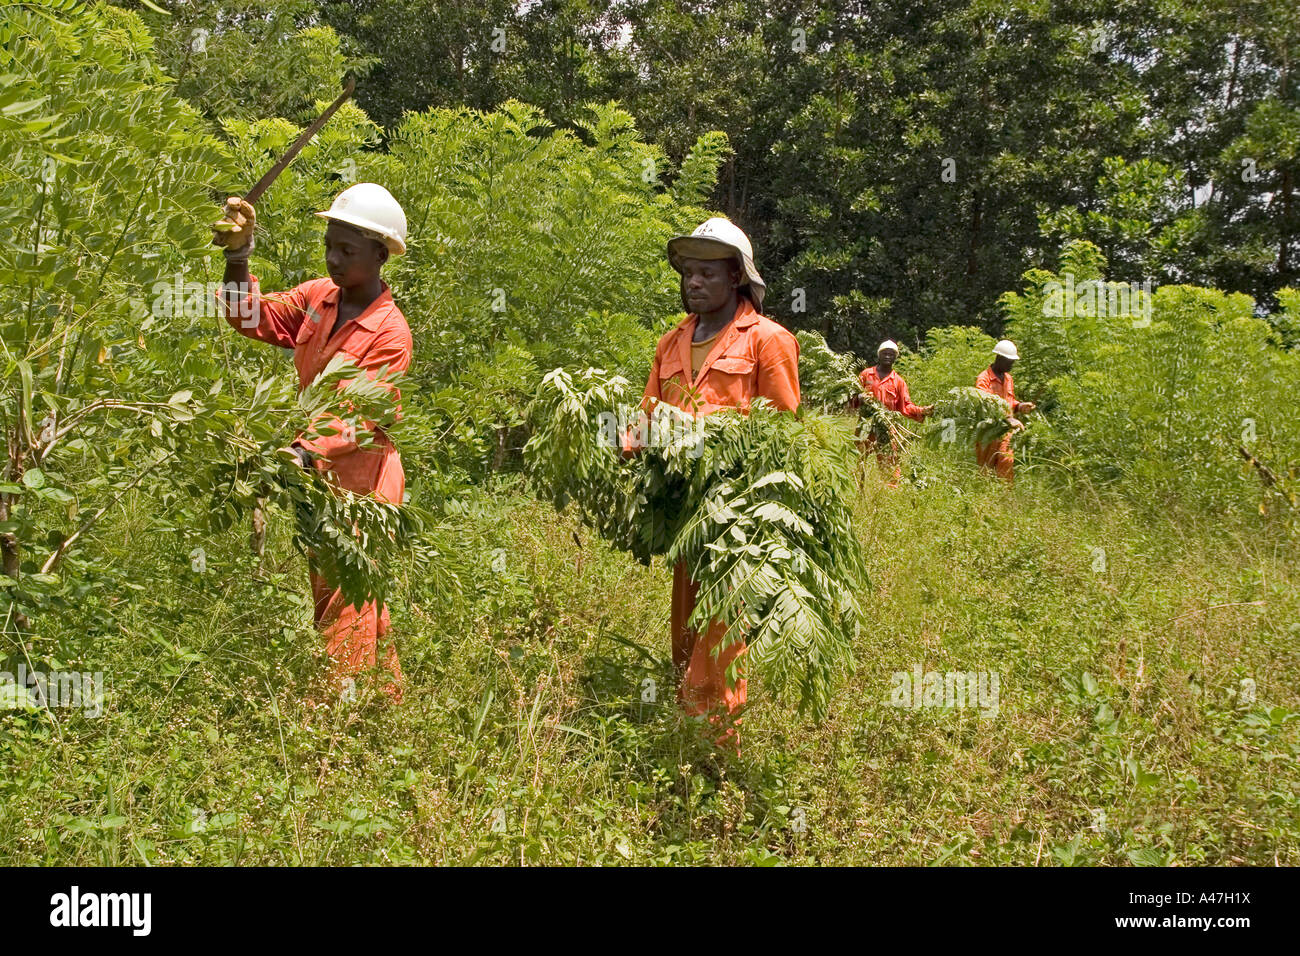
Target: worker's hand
632,445
1016,424
235,230
1026,407
927,411
300,456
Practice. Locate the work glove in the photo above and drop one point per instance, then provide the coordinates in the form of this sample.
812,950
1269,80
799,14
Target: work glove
235,231
1025,407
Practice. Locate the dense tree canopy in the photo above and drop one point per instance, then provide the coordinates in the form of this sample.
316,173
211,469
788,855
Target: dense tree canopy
898,163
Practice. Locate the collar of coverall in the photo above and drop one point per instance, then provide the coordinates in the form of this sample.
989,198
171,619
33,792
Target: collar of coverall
374,313
746,315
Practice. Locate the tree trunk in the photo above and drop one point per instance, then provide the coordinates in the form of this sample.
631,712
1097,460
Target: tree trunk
499,453
1284,241
10,547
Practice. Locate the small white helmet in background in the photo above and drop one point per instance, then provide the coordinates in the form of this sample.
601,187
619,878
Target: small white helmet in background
1007,349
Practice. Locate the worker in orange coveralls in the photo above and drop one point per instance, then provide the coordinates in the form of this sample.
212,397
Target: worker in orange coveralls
890,390
350,313
724,354
996,380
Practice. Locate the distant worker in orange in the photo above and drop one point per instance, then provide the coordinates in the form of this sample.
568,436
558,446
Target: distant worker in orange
350,313
890,390
724,354
996,380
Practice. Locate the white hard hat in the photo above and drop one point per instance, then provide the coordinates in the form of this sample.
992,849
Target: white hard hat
887,344
372,209
719,238
1007,349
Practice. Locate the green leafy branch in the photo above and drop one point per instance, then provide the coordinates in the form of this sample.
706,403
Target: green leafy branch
755,505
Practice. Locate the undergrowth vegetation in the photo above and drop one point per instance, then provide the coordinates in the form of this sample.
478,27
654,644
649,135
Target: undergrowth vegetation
1146,711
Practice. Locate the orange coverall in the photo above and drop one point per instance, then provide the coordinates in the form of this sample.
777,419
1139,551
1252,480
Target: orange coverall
997,455
891,392
301,319
752,357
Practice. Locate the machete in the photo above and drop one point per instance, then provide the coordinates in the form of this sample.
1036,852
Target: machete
263,184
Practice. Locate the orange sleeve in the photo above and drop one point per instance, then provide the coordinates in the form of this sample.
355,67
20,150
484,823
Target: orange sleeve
272,319
391,347
778,370
652,394
905,402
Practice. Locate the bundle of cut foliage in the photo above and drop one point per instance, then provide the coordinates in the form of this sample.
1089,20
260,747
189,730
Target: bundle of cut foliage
755,505
975,415
829,380
883,425
353,540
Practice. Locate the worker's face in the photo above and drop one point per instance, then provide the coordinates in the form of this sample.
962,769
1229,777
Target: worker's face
352,259
1002,364
886,358
708,284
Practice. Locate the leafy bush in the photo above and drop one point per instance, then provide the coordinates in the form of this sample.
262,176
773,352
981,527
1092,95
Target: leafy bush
100,213
1165,404
250,58
952,358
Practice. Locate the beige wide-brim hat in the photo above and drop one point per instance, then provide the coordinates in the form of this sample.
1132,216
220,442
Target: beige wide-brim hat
720,238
